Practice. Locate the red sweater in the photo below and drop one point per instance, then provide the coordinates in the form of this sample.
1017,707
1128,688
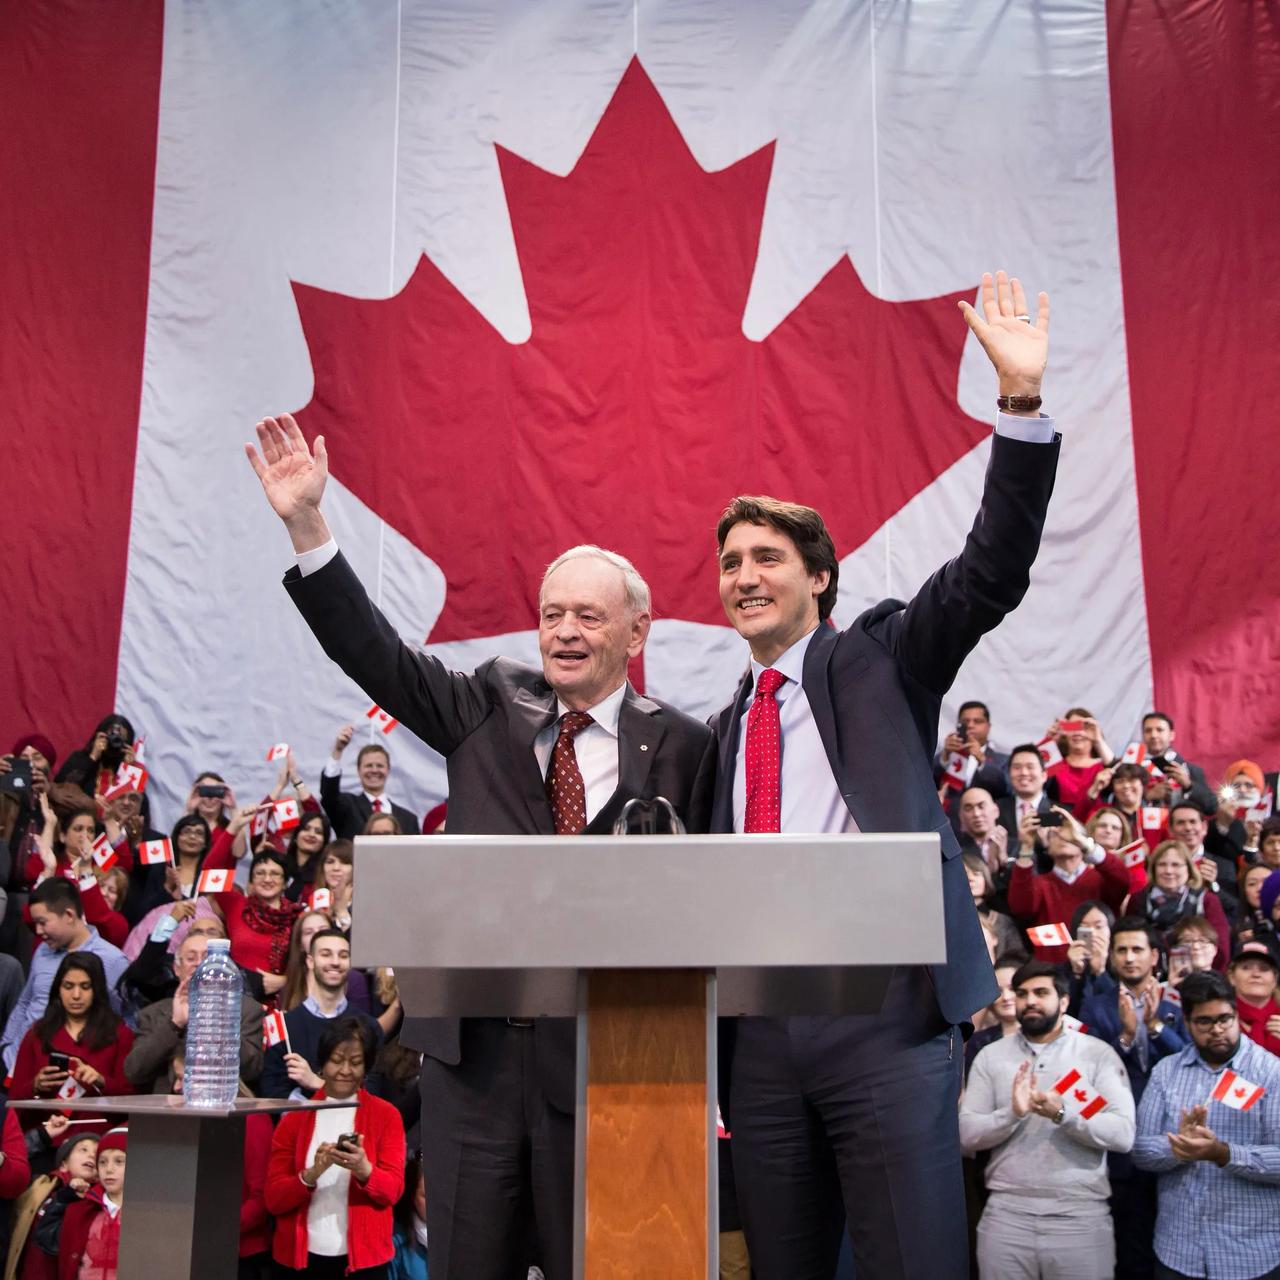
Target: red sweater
369,1221
250,949
255,1224
1049,899
1073,785
1253,1018
77,1223
109,1060
15,1171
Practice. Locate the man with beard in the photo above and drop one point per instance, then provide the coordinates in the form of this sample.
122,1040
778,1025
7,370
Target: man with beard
1209,1126
1049,1104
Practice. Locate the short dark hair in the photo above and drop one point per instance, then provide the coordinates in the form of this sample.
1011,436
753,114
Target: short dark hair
371,747
1026,748
58,894
1136,924
1040,969
974,705
1128,770
268,855
803,525
339,1031
327,933
1203,987
1186,803
1157,715
1270,827
1092,905
1010,960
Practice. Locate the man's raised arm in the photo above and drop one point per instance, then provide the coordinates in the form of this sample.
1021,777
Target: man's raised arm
439,705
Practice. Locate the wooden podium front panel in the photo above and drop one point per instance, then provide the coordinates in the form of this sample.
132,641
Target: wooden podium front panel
646,1128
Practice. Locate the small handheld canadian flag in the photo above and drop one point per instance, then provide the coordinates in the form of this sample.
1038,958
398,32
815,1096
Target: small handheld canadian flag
721,1131
278,752
71,1088
959,770
129,777
1260,811
154,853
214,880
1049,753
104,856
1072,1024
1079,1096
139,751
274,1031
381,719
1153,818
321,900
1134,753
1235,1091
259,821
1133,855
286,815
1050,935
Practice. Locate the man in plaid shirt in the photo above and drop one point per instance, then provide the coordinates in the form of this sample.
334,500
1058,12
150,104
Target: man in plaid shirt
1209,1126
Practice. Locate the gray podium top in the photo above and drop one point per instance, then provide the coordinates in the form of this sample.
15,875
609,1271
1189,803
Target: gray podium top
503,925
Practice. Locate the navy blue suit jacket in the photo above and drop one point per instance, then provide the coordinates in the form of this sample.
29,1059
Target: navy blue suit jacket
876,692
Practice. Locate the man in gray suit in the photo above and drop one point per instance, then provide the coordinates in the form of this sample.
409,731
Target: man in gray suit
529,752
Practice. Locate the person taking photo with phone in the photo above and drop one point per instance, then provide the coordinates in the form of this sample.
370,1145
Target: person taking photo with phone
334,1175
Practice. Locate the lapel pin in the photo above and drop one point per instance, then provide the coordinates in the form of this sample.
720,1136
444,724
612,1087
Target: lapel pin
644,746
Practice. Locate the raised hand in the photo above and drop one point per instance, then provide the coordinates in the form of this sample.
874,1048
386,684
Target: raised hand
1018,348
293,477
1020,1099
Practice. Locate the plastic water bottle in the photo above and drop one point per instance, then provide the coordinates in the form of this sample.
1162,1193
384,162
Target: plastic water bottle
212,1071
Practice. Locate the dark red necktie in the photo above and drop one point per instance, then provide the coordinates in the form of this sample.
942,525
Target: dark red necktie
564,779
764,756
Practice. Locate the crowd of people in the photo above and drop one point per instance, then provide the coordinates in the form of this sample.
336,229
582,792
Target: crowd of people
1130,910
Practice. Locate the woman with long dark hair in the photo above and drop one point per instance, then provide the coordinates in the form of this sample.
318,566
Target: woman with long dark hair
79,1038
302,854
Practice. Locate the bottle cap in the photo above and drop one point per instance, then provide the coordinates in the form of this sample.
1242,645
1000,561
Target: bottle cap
218,944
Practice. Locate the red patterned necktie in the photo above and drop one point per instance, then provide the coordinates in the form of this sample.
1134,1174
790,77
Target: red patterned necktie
377,804
564,779
764,756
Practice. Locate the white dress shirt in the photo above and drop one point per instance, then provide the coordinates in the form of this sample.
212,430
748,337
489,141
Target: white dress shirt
327,1212
811,800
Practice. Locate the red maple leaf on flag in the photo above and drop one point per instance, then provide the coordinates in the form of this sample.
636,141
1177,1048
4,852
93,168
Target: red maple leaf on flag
637,409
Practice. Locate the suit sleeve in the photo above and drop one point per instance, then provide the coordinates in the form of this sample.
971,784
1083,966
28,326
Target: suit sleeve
970,595
251,1050
441,706
153,1047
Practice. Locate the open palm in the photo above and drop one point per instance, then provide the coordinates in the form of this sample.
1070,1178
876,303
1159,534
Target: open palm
293,477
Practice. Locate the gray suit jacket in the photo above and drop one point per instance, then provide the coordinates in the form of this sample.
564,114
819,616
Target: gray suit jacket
484,724
158,1040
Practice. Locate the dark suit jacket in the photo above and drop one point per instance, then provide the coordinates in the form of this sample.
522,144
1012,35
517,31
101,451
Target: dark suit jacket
484,724
876,691
348,811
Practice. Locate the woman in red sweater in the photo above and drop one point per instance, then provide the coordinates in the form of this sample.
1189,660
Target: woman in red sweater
258,922
1084,754
1082,871
79,1043
335,1175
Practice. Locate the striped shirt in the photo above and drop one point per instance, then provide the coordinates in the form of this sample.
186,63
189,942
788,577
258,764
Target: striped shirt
1219,1222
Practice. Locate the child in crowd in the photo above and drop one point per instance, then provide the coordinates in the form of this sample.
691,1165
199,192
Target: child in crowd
45,1201
85,1237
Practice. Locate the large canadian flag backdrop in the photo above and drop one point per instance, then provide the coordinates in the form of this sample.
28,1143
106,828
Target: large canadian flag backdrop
574,271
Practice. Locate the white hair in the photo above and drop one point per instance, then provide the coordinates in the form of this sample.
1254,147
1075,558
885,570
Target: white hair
636,588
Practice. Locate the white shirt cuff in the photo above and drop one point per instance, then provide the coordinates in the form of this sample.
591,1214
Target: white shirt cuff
332,768
317,557
1029,430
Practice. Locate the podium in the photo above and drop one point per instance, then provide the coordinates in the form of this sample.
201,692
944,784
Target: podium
182,1179
646,940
